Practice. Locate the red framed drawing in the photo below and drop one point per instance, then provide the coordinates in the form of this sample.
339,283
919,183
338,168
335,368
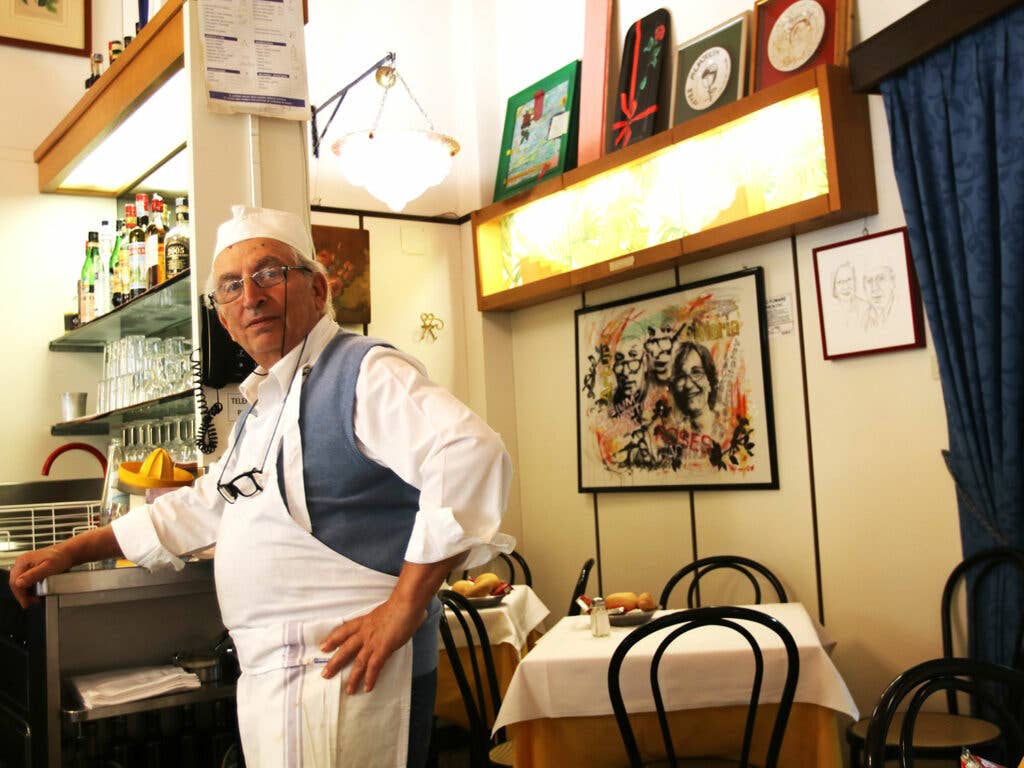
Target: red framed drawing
868,298
791,36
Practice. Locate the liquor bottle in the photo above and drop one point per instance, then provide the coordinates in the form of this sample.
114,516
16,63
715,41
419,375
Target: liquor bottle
177,242
125,262
155,234
106,246
116,286
87,283
137,246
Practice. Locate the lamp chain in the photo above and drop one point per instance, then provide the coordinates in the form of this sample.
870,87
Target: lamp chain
415,101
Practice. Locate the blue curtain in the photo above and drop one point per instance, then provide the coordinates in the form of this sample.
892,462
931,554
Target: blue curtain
957,124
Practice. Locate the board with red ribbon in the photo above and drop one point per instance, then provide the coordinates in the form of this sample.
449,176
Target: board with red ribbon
641,103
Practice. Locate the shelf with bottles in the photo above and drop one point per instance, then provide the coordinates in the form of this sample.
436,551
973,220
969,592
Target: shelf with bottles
75,713
174,404
154,313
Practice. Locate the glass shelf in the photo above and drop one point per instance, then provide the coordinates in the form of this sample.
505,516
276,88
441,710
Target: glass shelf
150,314
176,404
206,692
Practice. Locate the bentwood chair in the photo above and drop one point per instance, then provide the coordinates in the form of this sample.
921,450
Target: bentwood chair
478,685
695,619
701,567
941,735
913,687
580,588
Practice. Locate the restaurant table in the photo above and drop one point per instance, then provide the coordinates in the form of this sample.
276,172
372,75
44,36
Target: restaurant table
558,710
513,626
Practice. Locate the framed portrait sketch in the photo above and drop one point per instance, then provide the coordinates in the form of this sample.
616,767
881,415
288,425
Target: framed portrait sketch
62,26
868,299
540,134
345,254
791,36
674,390
711,69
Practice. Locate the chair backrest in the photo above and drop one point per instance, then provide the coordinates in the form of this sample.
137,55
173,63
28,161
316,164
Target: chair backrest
705,565
686,621
915,685
511,560
480,694
580,588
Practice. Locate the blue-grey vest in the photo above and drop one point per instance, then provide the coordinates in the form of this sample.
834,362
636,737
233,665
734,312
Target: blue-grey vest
358,508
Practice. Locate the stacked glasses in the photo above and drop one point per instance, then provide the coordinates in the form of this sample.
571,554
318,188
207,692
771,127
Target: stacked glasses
141,368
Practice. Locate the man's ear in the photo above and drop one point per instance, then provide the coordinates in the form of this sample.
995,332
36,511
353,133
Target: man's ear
319,291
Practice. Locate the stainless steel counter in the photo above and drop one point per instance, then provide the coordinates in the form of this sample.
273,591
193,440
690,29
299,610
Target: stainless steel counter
196,576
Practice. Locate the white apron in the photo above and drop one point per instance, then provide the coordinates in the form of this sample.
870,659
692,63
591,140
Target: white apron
281,591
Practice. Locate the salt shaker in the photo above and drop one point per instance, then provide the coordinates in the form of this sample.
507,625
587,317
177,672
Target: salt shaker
599,624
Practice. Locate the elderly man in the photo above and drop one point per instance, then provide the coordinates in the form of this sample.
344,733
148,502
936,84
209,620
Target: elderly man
351,486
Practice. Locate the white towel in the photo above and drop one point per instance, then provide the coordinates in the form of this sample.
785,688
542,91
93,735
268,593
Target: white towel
103,689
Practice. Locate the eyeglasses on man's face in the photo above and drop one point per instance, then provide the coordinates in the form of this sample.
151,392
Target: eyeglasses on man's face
245,485
229,290
631,365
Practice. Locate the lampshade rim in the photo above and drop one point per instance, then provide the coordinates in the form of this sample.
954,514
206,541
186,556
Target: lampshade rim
450,142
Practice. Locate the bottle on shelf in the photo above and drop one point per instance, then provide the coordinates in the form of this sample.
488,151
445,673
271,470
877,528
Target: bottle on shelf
137,246
87,283
178,239
105,248
96,64
155,234
116,286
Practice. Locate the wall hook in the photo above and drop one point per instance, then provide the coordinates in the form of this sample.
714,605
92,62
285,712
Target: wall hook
430,324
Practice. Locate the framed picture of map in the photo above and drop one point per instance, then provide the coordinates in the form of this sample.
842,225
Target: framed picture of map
674,389
540,135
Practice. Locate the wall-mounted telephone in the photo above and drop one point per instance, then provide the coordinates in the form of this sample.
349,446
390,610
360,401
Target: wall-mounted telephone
220,361
223,361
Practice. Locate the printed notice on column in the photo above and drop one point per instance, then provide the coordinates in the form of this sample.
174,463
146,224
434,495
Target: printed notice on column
254,56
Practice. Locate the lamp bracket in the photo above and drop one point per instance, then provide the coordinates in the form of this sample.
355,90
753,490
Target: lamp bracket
388,60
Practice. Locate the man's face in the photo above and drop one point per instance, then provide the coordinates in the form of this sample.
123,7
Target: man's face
257,319
659,349
879,287
630,368
691,386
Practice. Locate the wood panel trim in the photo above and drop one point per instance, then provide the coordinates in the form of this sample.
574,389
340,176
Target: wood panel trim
925,29
145,65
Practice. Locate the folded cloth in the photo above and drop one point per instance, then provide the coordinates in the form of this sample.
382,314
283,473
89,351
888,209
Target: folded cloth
103,689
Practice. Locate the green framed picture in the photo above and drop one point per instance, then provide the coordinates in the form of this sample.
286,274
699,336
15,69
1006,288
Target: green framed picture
711,69
539,139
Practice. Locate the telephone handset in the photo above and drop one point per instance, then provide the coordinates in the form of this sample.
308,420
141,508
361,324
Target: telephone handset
221,361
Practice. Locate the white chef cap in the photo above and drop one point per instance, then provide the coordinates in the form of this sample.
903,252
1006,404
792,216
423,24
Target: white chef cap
247,222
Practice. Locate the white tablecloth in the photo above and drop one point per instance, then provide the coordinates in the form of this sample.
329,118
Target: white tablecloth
520,613
566,673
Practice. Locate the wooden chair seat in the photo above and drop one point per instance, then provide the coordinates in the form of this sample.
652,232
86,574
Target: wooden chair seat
502,754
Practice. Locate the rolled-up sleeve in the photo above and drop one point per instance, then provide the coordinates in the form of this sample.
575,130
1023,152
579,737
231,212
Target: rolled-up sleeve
175,525
434,442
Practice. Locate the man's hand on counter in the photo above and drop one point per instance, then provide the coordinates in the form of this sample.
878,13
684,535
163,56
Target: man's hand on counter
32,567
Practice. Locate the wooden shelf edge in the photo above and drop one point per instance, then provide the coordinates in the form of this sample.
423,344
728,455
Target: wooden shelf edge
851,182
145,65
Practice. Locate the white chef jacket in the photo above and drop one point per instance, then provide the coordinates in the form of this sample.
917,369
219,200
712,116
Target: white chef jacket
406,422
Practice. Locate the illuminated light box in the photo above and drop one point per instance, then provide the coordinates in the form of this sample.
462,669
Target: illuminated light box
756,170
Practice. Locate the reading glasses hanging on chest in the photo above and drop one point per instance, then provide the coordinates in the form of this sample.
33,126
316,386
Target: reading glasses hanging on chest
394,165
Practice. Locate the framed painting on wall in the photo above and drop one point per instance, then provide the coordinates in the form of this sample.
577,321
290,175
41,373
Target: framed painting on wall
345,254
539,138
791,36
868,299
674,390
711,69
61,26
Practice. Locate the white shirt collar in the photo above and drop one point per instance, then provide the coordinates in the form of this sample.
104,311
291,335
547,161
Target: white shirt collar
281,374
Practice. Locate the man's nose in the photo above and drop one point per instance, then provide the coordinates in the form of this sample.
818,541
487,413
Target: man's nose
252,294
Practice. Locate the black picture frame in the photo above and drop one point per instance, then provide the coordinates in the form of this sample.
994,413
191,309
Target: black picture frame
673,390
